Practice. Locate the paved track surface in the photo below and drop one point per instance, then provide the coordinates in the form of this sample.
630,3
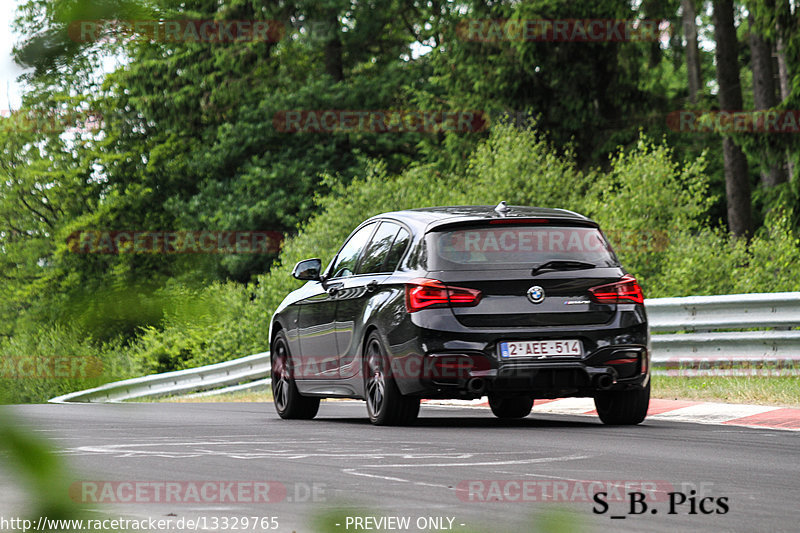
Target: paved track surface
425,470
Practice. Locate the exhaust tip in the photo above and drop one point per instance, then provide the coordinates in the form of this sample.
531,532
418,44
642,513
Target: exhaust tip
476,386
603,381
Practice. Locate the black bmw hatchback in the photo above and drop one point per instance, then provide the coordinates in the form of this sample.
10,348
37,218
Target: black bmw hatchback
514,303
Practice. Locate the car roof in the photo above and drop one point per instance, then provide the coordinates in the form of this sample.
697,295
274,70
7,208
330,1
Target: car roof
428,218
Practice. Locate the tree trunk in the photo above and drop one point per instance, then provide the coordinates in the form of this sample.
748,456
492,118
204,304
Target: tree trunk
784,13
333,58
783,69
764,96
761,62
692,49
737,175
333,48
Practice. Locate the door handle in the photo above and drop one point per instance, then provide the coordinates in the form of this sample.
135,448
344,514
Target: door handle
372,285
333,289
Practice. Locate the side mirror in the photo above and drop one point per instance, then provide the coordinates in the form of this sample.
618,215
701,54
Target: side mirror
308,270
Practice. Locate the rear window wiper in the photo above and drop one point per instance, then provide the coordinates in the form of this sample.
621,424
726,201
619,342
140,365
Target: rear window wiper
562,265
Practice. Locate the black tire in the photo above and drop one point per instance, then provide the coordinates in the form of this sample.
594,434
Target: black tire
289,403
511,407
623,408
386,406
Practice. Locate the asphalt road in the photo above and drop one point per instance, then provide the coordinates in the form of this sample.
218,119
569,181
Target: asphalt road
339,466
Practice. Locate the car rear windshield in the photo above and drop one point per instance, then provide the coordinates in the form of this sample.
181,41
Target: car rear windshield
512,246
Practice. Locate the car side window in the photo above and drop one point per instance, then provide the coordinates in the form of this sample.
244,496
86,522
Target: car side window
398,249
348,256
378,249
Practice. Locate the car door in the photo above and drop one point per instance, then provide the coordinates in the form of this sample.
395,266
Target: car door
317,312
361,292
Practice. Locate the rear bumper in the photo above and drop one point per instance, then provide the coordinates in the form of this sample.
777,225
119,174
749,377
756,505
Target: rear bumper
466,364
539,379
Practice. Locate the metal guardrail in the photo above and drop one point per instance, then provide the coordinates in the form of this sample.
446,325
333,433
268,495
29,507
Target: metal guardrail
700,335
209,377
697,313
697,352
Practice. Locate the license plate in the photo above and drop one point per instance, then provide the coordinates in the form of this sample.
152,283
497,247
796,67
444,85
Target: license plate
541,349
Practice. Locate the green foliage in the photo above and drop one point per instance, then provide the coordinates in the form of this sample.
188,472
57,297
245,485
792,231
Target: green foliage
40,470
186,141
49,362
219,325
588,94
711,262
523,168
773,261
698,264
645,199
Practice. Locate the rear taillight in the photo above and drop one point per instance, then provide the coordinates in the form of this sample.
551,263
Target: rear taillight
423,293
624,291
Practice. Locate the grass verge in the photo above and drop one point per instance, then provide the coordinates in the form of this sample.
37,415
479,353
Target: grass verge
243,397
784,391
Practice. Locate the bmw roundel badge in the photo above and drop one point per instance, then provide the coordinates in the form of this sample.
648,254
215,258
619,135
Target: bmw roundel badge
536,294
